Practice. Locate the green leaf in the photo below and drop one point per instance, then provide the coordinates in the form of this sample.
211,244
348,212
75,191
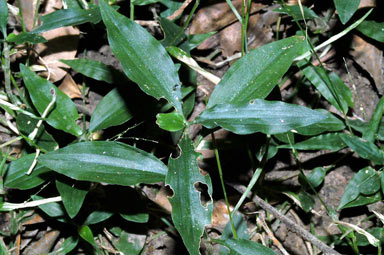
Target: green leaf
195,40
96,70
188,214
73,194
323,83
105,161
68,17
364,200
112,110
371,129
330,141
342,90
25,37
362,126
16,177
54,210
131,244
302,199
241,230
86,233
269,117
43,139
315,177
67,246
294,11
72,4
3,17
143,59
97,217
64,113
173,34
382,181
245,247
330,124
372,29
364,148
255,74
144,2
366,181
170,121
138,217
346,9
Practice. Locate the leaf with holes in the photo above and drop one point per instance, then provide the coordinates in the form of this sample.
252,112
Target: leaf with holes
63,115
143,59
269,117
188,214
105,161
257,73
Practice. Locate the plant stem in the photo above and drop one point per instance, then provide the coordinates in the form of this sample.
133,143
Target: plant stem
223,186
132,11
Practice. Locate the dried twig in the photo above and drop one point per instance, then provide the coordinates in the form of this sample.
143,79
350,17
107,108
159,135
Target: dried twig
180,10
294,227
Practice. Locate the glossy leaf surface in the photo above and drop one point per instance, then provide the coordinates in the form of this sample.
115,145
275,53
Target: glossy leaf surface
108,162
143,58
112,110
73,194
255,74
16,175
331,124
364,148
170,121
331,141
68,17
3,17
96,70
269,117
372,29
188,214
24,37
366,181
64,113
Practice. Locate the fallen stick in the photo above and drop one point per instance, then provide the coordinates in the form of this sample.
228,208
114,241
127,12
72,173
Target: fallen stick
295,227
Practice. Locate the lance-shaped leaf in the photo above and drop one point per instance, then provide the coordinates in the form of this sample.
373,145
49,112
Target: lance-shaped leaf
68,17
365,149
346,9
331,141
372,29
143,58
105,161
372,128
96,70
112,110
17,178
3,17
330,124
255,74
24,37
269,117
73,194
188,214
64,113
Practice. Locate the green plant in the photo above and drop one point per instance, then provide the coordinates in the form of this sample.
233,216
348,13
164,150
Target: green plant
238,104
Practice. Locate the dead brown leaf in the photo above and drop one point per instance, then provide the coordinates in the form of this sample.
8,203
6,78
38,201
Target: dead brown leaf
70,87
370,58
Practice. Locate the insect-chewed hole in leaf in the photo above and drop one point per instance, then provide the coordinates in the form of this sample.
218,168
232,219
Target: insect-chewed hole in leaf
168,191
176,153
202,188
